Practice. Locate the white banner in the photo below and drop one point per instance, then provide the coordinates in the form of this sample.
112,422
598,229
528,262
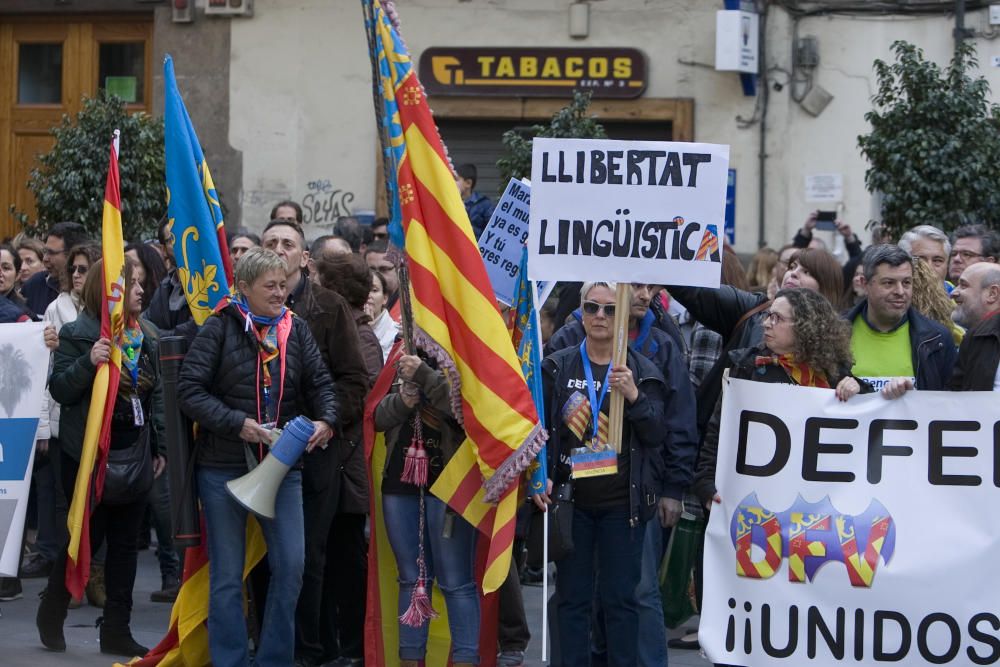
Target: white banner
855,533
630,211
24,367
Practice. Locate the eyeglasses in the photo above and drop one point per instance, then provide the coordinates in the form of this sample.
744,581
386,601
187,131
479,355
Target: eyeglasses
966,254
79,268
49,251
592,308
775,318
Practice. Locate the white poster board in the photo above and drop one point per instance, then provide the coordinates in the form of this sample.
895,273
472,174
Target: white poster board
24,366
825,188
854,533
631,211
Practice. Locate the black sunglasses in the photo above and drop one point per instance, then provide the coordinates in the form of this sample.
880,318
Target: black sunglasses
592,308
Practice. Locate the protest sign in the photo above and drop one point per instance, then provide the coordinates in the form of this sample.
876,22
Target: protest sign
502,241
853,533
628,211
24,365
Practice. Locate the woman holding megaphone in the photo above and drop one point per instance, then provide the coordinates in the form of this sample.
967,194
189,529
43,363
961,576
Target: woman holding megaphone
253,367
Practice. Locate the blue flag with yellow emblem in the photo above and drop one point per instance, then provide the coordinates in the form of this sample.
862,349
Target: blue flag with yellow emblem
527,341
199,235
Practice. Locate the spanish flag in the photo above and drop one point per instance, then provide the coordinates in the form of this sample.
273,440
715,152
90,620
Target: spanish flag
455,315
97,435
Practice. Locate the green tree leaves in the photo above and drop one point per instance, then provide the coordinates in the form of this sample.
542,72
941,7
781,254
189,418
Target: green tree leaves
69,183
570,122
934,146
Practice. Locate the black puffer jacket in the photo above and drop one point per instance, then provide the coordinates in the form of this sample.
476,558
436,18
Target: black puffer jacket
220,385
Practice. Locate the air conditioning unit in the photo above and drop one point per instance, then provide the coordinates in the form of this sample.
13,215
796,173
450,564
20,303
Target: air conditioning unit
229,7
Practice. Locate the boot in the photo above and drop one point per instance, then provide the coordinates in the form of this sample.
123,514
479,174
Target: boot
49,619
96,594
116,639
168,592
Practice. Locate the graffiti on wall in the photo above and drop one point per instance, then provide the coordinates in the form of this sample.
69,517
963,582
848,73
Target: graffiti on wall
323,203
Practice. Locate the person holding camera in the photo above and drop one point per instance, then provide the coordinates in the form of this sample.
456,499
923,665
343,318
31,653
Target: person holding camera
613,493
827,221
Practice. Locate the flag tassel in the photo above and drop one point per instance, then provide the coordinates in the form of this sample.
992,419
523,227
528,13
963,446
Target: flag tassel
420,610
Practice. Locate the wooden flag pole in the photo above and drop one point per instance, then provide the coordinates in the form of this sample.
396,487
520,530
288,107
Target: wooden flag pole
623,305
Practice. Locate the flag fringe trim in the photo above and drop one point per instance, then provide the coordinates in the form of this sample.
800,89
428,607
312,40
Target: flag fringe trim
520,459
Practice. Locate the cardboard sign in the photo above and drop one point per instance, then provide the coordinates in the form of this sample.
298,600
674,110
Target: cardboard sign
859,533
627,211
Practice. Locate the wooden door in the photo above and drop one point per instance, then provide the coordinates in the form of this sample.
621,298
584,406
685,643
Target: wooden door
47,67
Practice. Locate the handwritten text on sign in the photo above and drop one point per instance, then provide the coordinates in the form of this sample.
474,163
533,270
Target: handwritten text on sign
857,533
633,211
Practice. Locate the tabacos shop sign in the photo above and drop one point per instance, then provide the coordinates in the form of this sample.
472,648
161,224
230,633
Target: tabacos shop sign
527,72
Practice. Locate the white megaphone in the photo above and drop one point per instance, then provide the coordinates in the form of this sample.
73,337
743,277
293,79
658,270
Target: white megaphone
257,489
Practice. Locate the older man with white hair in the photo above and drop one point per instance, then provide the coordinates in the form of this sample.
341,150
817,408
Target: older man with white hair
930,244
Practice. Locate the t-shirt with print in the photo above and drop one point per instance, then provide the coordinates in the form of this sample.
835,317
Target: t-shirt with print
605,491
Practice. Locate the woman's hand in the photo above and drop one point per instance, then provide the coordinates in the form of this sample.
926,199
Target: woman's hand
407,366
542,500
810,224
844,229
101,352
254,432
321,435
51,337
410,394
159,465
621,380
846,388
896,387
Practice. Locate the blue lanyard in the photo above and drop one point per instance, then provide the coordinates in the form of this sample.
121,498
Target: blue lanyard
595,401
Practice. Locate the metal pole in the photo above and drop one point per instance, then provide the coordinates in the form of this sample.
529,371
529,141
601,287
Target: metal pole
960,31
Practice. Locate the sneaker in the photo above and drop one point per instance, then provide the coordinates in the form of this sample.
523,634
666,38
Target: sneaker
510,659
10,589
36,566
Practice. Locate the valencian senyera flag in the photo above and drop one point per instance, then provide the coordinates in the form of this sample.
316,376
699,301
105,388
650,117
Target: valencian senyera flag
201,253
97,434
526,336
455,316
206,274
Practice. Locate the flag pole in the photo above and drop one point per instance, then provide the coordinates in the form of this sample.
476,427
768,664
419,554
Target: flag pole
533,286
616,412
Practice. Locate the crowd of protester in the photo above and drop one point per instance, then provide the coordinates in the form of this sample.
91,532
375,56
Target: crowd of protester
310,326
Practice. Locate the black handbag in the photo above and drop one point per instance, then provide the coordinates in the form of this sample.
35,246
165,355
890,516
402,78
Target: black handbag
128,474
560,527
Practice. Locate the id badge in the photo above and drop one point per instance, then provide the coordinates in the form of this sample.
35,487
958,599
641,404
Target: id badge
590,462
138,417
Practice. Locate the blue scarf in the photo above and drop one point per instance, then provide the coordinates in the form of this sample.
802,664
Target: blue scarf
240,302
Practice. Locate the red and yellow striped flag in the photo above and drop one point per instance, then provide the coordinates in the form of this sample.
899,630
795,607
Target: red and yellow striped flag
455,316
96,437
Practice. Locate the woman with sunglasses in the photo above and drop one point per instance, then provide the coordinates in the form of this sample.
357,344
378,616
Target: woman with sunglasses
805,342
614,493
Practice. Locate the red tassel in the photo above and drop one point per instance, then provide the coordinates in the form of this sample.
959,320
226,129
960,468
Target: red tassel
420,610
416,465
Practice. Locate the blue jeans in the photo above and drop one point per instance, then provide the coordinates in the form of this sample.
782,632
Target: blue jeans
226,523
652,633
605,536
451,560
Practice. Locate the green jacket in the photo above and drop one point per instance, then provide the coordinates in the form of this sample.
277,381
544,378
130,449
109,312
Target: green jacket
73,375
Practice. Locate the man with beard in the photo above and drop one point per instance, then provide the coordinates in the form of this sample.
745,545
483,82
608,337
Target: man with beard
977,296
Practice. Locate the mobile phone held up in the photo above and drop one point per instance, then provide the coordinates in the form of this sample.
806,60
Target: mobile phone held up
825,221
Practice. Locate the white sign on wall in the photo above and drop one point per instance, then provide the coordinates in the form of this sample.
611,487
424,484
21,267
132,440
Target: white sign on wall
856,533
736,37
824,187
631,211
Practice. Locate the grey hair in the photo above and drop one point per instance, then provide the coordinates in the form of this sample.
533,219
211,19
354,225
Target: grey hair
589,286
255,263
924,232
991,276
885,253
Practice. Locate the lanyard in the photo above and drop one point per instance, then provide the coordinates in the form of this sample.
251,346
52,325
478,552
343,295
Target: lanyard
595,401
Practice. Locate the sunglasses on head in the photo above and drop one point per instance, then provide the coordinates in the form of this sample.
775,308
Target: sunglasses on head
592,308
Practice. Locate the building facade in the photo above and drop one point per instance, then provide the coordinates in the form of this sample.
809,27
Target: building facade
282,97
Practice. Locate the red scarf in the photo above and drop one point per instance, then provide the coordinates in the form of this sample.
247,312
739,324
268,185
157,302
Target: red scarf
801,374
